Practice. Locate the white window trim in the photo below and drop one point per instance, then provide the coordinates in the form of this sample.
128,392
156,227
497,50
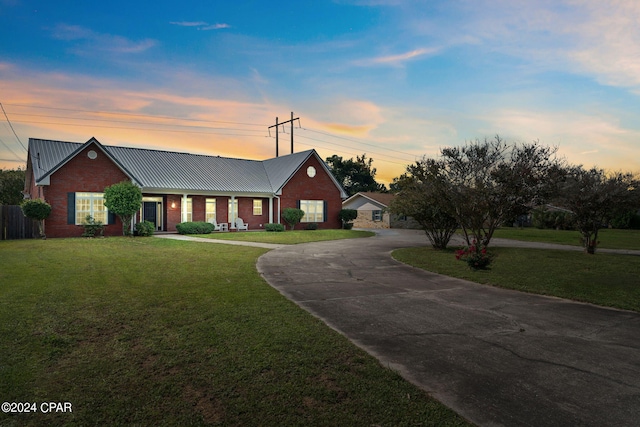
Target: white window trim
305,205
86,195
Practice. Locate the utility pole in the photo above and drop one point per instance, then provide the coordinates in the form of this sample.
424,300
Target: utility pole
278,124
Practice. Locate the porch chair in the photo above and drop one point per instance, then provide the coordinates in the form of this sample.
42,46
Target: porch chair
216,226
240,225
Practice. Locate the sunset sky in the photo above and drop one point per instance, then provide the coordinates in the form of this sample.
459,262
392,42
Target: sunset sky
390,78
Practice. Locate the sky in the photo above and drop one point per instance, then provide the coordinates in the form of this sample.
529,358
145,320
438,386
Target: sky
395,80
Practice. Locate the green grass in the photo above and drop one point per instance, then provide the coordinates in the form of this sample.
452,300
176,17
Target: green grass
608,238
290,237
603,279
160,332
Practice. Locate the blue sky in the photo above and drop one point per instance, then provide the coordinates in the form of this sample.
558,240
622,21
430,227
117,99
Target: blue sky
390,78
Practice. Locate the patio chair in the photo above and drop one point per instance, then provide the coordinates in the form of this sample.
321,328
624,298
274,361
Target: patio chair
216,226
240,225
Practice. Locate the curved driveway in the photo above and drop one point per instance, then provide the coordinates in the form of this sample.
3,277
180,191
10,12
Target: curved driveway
497,357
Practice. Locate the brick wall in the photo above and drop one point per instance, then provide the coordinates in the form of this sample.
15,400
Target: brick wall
364,220
320,187
80,174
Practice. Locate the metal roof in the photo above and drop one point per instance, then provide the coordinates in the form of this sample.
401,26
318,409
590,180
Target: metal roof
174,171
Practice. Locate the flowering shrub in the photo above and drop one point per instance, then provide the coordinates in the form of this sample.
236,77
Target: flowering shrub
476,256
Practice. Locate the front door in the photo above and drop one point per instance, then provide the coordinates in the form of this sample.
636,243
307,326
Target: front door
150,213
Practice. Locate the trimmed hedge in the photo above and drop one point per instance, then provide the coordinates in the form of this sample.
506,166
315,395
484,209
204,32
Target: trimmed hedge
274,227
198,227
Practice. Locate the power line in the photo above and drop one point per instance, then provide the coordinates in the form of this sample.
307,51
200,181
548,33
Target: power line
146,129
10,150
134,115
123,121
11,126
358,142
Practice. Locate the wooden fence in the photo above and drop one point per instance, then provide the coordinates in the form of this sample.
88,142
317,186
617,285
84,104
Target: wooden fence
14,225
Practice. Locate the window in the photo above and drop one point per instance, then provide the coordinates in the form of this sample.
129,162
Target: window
210,210
376,215
91,204
257,206
313,210
189,210
233,211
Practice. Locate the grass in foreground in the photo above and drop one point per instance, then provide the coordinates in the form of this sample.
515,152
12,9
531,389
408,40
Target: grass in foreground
162,332
608,238
603,279
289,237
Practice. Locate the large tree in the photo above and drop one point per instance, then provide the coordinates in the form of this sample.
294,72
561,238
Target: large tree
123,199
355,175
595,198
421,194
11,186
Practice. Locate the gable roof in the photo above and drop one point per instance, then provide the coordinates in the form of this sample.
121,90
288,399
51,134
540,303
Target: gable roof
383,199
156,170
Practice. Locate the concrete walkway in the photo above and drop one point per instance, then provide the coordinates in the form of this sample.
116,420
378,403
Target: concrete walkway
221,241
495,356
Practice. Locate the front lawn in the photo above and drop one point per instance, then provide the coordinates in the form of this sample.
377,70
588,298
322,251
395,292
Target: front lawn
608,238
289,237
603,279
161,332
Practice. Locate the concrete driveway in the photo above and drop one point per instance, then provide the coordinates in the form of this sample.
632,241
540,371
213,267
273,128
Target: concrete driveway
495,356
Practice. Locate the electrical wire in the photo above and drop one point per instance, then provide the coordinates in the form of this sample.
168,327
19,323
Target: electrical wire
138,128
134,115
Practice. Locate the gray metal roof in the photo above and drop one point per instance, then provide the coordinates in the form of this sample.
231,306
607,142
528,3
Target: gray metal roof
173,171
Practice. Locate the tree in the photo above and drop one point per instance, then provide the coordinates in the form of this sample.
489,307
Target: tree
292,216
39,210
123,199
11,186
596,198
490,182
355,175
421,194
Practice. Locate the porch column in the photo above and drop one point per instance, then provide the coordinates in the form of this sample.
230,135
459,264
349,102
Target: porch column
271,209
233,213
183,205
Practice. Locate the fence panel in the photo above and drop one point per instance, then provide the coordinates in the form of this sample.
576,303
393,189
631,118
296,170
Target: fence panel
14,225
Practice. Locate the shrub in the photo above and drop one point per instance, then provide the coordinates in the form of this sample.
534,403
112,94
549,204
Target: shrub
292,216
145,229
274,227
346,216
347,225
92,227
198,227
311,226
476,256
37,209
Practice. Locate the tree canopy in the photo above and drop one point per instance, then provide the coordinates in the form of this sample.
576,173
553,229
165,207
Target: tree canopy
355,175
11,186
595,198
422,195
480,184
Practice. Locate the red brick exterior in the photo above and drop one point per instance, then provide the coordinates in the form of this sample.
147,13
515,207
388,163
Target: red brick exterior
81,174
320,187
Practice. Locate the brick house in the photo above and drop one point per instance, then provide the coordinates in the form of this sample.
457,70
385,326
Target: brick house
177,187
373,211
